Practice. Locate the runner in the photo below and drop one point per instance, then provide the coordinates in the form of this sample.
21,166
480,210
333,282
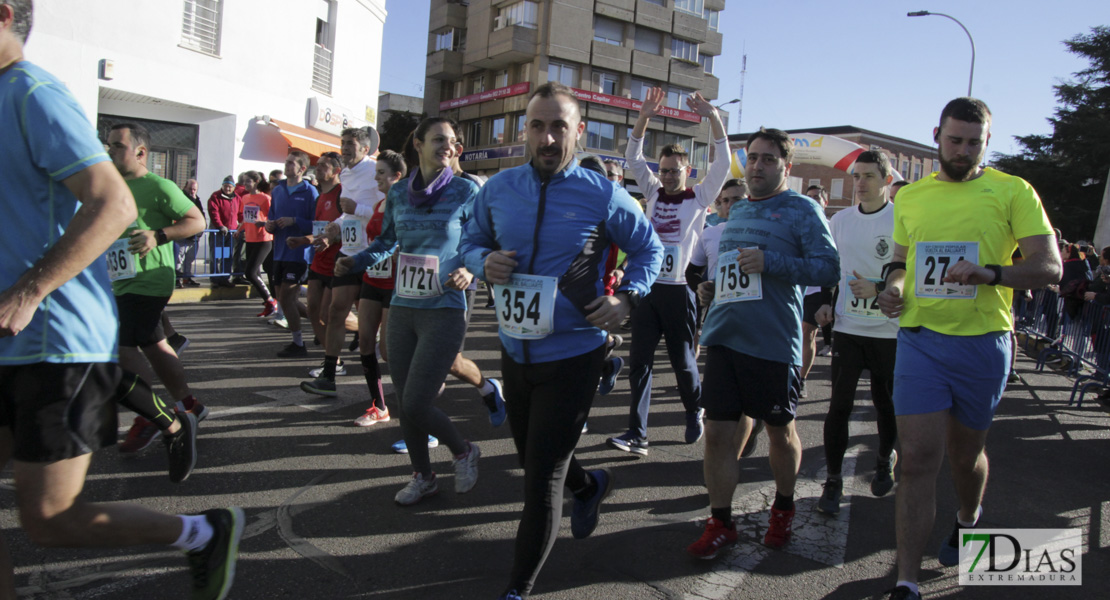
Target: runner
65,206
954,233
772,244
423,218
292,208
256,209
863,338
677,214
323,260
540,234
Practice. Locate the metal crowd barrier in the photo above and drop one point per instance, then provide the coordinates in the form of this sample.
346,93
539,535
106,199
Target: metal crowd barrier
210,254
1078,333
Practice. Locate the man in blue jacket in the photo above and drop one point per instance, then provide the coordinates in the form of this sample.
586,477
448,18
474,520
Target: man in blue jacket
292,209
541,233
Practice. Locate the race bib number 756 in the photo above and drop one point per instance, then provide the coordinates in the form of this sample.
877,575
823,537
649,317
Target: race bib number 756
732,284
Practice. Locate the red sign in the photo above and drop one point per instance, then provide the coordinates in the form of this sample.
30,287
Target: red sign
513,90
630,104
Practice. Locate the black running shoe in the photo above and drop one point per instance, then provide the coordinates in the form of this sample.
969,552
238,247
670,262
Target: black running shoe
214,565
181,447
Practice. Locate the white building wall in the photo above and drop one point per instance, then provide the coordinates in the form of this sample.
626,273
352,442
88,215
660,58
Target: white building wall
264,66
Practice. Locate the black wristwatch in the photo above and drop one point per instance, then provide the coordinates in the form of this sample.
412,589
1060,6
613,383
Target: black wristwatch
632,296
880,286
160,237
997,274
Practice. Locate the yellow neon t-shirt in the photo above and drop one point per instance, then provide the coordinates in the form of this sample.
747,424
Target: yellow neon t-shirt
987,216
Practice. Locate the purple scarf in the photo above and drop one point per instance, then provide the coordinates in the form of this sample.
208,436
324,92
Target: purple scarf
421,196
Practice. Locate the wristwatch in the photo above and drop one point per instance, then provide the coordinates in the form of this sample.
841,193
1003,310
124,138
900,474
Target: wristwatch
160,237
632,296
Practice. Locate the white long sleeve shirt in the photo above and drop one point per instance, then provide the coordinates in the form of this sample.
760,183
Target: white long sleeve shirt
359,185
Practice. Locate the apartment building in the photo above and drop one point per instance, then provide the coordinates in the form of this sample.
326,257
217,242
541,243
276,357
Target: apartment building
486,56
224,86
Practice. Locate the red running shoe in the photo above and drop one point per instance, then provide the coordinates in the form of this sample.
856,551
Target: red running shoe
142,434
269,308
781,528
717,536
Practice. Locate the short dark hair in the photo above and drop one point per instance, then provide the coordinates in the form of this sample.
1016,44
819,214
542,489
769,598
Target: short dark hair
677,151
972,110
817,187
554,88
394,161
779,138
899,183
362,135
277,173
139,134
1106,253
594,164
332,158
23,13
731,183
422,129
617,164
301,158
877,158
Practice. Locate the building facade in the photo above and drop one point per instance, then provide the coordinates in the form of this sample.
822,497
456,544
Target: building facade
223,86
909,159
486,56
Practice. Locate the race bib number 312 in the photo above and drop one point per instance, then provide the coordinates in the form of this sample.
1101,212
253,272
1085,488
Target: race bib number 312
933,259
733,285
525,306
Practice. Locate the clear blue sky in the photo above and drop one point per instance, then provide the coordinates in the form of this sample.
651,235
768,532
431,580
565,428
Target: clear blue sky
819,63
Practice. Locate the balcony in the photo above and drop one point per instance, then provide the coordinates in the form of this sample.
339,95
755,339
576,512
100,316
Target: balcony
653,15
508,45
712,43
321,70
689,27
686,74
445,64
448,15
649,66
608,56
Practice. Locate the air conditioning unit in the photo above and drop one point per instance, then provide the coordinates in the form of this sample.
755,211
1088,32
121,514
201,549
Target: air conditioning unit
499,22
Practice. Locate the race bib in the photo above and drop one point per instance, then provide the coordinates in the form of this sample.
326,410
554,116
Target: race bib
931,264
318,228
418,276
526,306
354,235
250,214
868,308
734,286
121,263
672,269
382,270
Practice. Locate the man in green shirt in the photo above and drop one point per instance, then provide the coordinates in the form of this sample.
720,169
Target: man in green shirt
141,267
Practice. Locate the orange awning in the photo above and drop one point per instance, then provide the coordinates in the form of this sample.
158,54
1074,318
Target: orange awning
313,143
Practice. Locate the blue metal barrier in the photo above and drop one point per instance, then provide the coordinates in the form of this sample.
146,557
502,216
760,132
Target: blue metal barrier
1077,332
212,255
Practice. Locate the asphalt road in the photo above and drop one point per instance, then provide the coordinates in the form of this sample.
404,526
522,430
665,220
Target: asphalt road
321,522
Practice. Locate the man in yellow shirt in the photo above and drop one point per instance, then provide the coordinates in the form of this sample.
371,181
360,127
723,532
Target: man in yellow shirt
950,284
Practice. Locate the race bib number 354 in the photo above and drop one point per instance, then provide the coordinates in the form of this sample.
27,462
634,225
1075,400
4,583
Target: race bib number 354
732,285
418,276
933,259
525,306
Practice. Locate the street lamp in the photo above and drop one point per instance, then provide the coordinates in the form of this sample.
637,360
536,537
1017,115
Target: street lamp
710,149
925,13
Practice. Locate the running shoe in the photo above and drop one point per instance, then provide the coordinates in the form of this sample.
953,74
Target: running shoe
883,481
511,595
293,351
802,389
279,321
824,351
629,443
181,448
321,385
401,448
829,502
609,381
585,427
781,528
195,408
583,517
716,537
1013,377
618,341
695,425
466,469
373,415
903,593
416,490
495,401
340,369
269,307
753,439
353,346
178,342
142,434
213,566
949,553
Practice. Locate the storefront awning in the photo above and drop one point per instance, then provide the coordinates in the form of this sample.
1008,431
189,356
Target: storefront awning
313,143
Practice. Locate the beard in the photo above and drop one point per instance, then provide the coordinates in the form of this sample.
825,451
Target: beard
953,169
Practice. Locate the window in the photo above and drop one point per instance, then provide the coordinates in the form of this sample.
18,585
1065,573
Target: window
676,97
905,171
608,31
701,156
523,14
325,42
497,131
639,89
452,39
649,40
667,139
607,83
713,17
458,89
602,136
694,7
916,171
525,73
521,124
837,189
706,63
501,79
813,182
684,50
478,84
649,142
474,135
564,74
936,166
200,27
